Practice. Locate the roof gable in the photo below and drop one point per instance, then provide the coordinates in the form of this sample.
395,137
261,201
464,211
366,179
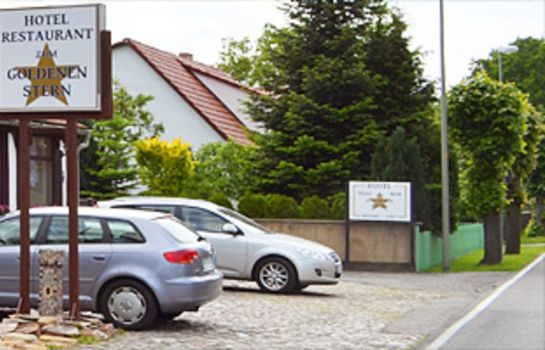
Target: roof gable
188,86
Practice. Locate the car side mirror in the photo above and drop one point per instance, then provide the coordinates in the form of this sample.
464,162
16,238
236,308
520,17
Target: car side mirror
230,228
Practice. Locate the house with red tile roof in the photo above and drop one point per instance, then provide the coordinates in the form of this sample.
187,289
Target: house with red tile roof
194,101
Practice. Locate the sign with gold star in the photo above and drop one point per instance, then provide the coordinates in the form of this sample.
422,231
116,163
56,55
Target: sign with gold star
380,201
49,59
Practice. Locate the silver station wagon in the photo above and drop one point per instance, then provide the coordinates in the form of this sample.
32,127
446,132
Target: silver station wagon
134,266
246,250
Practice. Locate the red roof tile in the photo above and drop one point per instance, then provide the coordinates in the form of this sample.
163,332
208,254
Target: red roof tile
215,73
176,73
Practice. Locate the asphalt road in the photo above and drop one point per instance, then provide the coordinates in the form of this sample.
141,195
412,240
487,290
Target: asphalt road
515,320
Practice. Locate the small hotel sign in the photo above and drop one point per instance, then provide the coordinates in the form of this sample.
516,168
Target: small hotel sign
380,201
49,59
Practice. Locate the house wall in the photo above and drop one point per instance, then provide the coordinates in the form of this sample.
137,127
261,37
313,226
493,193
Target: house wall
232,97
168,107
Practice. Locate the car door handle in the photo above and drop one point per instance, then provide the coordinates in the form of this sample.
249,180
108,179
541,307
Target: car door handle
99,257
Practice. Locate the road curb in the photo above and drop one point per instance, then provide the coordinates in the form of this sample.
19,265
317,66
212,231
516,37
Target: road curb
454,328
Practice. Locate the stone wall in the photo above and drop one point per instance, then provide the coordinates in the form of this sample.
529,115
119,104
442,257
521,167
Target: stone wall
372,245
51,262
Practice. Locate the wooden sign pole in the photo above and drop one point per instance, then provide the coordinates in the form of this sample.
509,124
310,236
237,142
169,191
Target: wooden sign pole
73,202
24,205
71,138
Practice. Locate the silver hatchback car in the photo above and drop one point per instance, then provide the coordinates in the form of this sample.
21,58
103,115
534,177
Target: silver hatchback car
246,250
134,266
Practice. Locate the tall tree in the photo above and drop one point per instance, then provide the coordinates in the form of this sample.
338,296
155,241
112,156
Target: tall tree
113,173
333,94
487,121
524,67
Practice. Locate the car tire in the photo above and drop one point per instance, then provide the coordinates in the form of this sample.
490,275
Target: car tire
170,316
276,275
302,286
129,304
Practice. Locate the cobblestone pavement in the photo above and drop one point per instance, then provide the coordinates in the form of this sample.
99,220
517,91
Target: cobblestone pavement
364,311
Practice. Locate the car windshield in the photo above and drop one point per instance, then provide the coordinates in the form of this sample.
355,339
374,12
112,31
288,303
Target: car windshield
178,230
238,216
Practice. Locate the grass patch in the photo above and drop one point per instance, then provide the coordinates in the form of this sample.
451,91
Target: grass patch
87,340
470,262
532,240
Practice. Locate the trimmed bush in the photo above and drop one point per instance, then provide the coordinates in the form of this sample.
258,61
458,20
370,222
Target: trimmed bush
337,204
282,207
220,199
534,229
314,207
253,205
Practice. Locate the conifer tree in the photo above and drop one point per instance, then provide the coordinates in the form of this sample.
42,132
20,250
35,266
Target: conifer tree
339,78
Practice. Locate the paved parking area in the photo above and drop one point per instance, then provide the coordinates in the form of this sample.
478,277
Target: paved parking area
364,311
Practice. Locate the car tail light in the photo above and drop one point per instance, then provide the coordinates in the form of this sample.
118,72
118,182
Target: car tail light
185,257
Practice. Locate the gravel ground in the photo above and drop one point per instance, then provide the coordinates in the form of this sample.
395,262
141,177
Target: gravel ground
364,311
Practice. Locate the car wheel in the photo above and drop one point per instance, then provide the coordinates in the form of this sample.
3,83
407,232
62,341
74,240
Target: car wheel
129,304
276,275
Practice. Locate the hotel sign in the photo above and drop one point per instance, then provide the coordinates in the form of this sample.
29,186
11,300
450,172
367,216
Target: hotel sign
380,201
50,59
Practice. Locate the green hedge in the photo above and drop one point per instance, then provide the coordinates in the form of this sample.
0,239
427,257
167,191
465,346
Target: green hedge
279,206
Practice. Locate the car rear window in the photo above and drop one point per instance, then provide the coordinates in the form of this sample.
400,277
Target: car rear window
178,230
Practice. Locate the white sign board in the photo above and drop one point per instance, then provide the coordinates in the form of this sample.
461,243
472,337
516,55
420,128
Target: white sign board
49,59
380,201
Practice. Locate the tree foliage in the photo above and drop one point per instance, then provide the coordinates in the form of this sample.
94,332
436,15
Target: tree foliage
222,167
526,68
164,167
111,171
397,158
339,77
248,63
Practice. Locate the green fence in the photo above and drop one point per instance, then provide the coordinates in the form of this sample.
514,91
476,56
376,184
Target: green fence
429,248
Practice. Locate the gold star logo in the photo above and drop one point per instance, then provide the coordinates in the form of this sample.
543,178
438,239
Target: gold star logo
46,78
379,202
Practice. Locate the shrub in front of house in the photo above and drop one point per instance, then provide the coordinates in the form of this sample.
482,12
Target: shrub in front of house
337,206
220,198
277,206
314,207
253,205
535,229
282,207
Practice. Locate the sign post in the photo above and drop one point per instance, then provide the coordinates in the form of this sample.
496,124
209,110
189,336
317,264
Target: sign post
55,62
380,201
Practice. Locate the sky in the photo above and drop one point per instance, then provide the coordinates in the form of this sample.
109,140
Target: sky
473,28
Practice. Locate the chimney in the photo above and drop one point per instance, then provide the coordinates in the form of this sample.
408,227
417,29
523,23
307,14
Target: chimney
186,56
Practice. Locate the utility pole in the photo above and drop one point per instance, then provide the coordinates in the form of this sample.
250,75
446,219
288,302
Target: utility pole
444,149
